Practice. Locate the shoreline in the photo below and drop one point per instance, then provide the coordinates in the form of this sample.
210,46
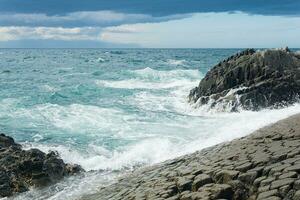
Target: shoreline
263,165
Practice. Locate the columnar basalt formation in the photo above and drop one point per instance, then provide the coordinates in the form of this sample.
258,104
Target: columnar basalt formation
264,166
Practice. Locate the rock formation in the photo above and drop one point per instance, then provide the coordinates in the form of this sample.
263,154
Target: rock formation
264,166
251,80
21,169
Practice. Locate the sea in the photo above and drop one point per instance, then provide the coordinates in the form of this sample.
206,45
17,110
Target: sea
114,110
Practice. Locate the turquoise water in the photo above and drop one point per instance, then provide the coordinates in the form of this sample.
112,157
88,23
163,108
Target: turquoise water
113,110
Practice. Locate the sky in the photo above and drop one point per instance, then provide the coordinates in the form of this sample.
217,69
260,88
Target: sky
149,23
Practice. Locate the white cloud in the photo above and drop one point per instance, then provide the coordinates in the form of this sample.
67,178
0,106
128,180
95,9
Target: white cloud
55,33
210,30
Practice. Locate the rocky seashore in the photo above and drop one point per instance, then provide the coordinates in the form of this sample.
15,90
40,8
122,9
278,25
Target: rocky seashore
251,80
22,169
264,166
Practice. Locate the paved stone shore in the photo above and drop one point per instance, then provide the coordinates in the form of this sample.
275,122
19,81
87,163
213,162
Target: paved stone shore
264,165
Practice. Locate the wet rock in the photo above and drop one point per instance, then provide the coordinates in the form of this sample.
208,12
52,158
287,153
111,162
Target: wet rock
252,80
21,169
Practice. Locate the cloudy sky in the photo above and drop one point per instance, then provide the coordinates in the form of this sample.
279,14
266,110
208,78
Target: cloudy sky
150,23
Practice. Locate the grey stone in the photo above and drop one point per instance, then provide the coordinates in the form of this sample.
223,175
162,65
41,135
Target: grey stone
282,182
266,194
201,180
297,195
291,174
295,168
244,167
184,184
248,177
225,176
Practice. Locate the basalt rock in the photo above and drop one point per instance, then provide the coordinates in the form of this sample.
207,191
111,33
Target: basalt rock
243,169
251,80
21,169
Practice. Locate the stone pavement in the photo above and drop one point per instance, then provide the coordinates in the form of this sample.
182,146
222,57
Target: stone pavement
264,165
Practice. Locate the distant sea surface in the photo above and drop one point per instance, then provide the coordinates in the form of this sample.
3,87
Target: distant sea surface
113,110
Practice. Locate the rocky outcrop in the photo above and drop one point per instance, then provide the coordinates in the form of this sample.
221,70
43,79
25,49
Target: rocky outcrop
251,80
21,169
264,166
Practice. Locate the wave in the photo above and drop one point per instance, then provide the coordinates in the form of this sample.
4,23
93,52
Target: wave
148,78
152,74
214,129
100,60
74,118
139,84
176,62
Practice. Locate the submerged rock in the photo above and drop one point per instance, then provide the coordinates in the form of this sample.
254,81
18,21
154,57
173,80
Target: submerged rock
21,169
252,80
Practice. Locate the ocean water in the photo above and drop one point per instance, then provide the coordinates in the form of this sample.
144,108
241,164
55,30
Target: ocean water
113,110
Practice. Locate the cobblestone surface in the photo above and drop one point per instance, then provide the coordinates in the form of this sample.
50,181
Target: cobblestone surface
264,165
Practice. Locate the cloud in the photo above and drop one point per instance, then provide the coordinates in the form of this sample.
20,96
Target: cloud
80,19
47,33
153,7
210,30
44,43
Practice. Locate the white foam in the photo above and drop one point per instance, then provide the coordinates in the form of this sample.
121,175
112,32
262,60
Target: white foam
176,62
100,59
152,74
139,84
49,88
215,128
148,78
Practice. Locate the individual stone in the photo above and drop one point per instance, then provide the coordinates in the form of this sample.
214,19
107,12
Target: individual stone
221,191
184,184
283,191
258,180
297,195
248,177
244,167
201,180
297,184
282,182
295,168
239,189
273,198
267,181
288,175
266,194
225,176
264,188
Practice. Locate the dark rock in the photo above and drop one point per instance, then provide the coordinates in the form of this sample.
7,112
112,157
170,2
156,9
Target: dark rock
252,80
21,169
